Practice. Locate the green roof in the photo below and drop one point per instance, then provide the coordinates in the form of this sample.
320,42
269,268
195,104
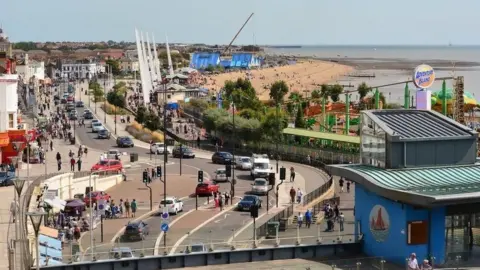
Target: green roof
434,181
322,135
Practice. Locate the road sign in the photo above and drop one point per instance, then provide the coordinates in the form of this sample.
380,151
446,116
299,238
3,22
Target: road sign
164,227
101,204
165,215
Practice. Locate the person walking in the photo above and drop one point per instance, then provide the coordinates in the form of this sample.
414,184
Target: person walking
292,174
299,195
227,198
79,163
292,195
72,164
51,145
308,218
300,219
59,161
341,221
134,207
127,208
348,186
340,183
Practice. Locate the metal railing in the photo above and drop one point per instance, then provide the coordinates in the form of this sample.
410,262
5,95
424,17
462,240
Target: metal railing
284,214
311,196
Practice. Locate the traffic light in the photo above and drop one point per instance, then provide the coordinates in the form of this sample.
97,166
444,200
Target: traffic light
283,173
254,211
200,176
145,177
271,179
228,170
159,171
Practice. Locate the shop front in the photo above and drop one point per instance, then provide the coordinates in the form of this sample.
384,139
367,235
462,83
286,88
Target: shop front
10,150
4,142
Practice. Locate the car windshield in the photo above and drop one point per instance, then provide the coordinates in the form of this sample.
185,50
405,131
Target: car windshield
245,160
260,182
103,131
248,198
126,255
226,155
202,185
96,124
221,171
168,202
260,166
196,248
126,139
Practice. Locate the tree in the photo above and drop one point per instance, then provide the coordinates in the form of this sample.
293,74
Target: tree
335,92
114,65
363,90
272,126
299,119
278,90
116,98
152,121
142,114
325,90
316,94
242,93
26,46
98,94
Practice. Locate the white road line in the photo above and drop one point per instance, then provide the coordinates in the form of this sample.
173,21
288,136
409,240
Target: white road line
160,236
174,248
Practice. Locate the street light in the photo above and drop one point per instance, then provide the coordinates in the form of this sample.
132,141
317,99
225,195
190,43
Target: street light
36,219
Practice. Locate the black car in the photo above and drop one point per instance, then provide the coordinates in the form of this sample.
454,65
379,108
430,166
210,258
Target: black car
103,134
222,157
88,115
136,230
247,202
79,104
183,152
73,116
124,142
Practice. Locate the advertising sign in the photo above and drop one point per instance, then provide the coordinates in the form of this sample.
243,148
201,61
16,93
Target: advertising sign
424,100
423,76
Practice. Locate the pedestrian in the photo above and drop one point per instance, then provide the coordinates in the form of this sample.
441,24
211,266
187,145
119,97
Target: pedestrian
51,145
292,174
412,262
340,183
153,173
133,205
76,232
308,218
120,207
348,186
227,198
220,201
299,195
300,219
79,163
292,195
59,164
72,164
127,208
341,220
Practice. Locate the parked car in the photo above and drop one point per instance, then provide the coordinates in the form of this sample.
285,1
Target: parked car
158,148
103,134
125,141
121,253
221,175
136,230
88,115
183,152
260,186
247,202
196,248
79,104
173,205
206,188
243,163
222,158
95,196
97,126
6,178
109,165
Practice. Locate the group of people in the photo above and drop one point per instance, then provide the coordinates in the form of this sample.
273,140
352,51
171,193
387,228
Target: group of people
298,195
332,215
124,209
221,199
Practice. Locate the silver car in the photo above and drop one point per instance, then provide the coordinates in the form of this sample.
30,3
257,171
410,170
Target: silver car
260,186
221,175
243,163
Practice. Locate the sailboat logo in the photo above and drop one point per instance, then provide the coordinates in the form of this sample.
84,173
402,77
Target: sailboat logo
379,223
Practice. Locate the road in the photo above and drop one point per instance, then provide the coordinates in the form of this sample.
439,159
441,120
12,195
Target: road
205,225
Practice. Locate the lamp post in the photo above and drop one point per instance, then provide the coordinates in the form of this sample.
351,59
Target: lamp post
92,247
104,102
165,156
36,219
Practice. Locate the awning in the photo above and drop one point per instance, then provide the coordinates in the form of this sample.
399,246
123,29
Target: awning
4,139
56,203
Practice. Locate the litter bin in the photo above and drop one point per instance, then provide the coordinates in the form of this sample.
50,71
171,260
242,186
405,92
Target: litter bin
133,157
272,229
283,224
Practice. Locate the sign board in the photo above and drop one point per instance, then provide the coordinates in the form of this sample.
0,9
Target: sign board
423,76
164,227
101,204
165,215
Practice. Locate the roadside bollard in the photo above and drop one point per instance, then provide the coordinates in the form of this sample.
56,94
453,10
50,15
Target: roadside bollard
382,264
359,264
233,239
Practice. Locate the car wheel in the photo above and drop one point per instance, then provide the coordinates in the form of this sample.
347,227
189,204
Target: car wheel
176,211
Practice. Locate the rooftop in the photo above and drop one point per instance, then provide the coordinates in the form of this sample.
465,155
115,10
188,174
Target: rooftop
419,124
425,186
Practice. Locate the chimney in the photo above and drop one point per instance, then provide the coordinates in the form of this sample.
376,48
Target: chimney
8,66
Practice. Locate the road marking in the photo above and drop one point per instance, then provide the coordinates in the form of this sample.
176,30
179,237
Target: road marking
174,248
160,236
225,217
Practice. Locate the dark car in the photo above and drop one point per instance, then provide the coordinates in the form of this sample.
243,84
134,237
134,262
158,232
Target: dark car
63,101
222,157
73,116
103,134
6,178
183,152
136,230
88,115
247,202
79,104
124,142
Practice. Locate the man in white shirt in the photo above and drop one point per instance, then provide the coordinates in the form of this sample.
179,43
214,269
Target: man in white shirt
412,262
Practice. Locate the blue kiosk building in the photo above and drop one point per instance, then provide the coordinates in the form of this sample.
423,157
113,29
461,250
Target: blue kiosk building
417,189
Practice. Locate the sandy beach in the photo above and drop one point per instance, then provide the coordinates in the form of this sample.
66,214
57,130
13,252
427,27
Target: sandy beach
305,75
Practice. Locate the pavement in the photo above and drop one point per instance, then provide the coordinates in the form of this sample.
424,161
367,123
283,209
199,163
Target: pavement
189,226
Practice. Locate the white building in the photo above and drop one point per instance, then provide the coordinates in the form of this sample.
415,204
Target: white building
8,102
78,70
28,69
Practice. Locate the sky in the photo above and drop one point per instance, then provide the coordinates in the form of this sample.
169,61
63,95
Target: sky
276,22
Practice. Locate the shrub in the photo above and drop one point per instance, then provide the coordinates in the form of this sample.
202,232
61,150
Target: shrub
157,136
143,134
110,109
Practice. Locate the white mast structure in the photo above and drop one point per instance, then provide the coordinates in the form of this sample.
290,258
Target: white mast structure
141,64
169,57
151,67
156,61
149,87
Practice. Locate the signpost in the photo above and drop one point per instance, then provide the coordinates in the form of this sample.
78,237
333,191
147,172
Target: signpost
164,227
101,204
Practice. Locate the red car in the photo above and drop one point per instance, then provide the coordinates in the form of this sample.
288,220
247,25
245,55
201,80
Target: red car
70,98
110,165
96,195
206,188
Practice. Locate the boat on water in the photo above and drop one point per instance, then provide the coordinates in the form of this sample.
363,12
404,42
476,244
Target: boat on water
378,224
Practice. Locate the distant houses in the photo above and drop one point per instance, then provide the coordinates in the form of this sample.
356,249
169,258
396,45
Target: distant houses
242,60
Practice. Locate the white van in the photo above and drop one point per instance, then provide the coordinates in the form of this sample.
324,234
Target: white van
260,166
158,148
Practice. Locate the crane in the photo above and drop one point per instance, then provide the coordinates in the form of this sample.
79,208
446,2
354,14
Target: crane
238,33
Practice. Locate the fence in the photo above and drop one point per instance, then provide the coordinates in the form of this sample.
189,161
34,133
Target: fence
317,192
284,214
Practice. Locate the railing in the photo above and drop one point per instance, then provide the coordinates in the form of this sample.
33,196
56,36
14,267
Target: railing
318,192
284,214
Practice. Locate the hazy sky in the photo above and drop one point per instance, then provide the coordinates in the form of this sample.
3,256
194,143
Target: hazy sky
306,22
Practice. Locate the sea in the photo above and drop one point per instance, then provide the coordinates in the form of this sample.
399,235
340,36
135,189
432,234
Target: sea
450,54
